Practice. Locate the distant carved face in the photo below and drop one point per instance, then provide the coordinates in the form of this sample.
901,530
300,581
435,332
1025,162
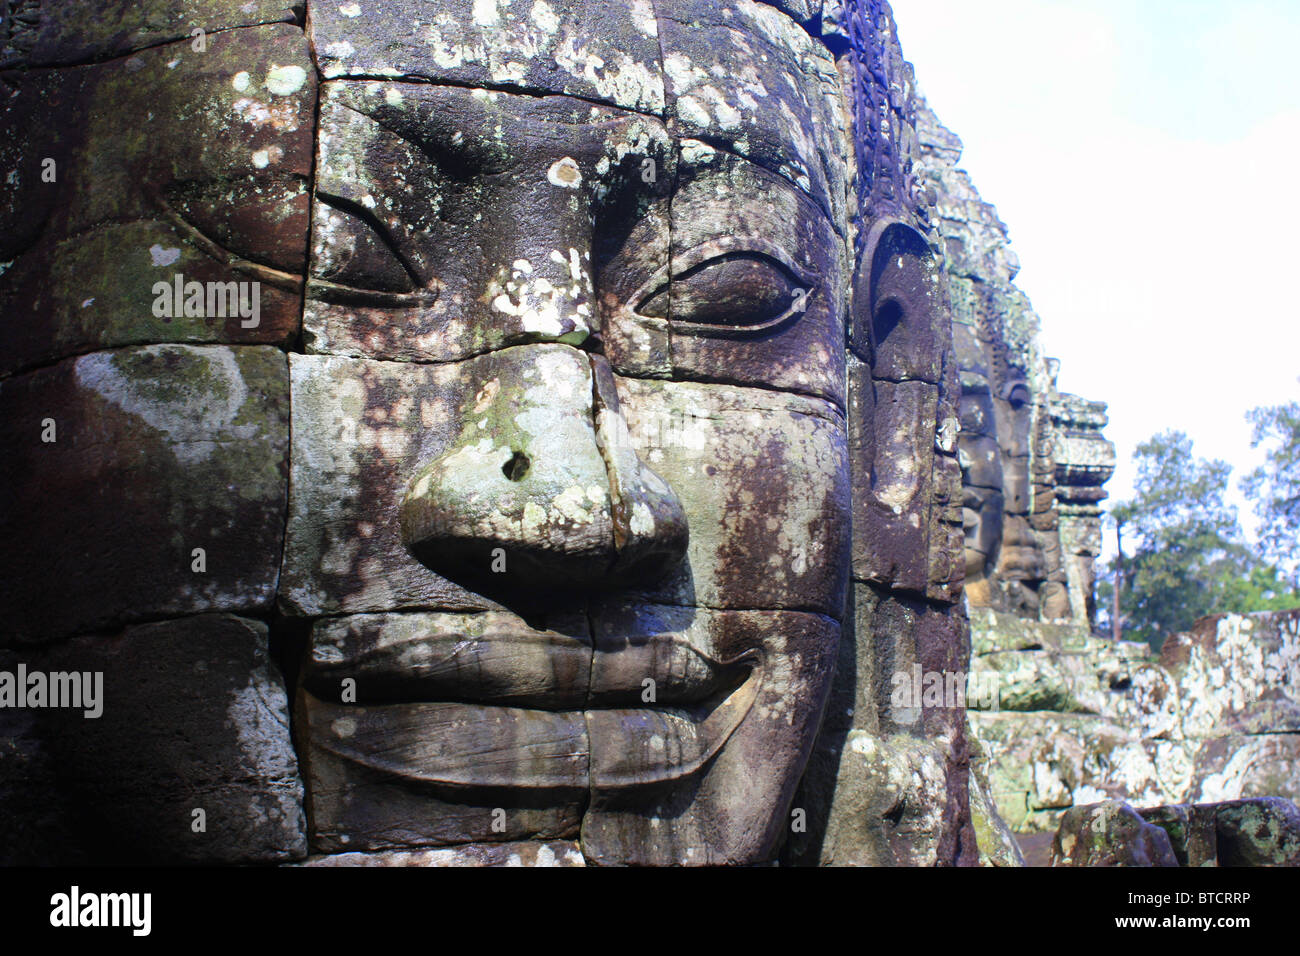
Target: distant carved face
620,461
982,504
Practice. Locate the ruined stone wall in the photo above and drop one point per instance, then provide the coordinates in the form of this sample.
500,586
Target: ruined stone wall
1078,719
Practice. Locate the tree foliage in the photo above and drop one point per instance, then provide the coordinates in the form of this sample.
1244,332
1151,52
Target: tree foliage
1274,486
1185,555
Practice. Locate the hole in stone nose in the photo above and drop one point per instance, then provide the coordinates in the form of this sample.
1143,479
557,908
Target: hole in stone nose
516,467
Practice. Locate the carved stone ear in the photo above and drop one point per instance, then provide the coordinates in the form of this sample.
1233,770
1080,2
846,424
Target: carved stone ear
899,323
899,326
1016,394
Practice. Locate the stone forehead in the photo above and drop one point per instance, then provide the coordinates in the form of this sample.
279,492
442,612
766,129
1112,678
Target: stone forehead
750,77
480,36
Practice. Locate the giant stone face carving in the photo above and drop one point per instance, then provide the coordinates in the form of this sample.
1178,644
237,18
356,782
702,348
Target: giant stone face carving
622,381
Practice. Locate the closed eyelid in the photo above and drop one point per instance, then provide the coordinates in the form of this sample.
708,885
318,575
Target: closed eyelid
735,245
353,208
717,252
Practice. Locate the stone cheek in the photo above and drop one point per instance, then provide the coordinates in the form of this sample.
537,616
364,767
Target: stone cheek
190,760
162,492
361,430
169,163
781,542
728,813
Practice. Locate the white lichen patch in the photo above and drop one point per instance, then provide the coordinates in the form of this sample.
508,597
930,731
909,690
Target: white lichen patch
196,420
535,302
643,18
624,81
285,80
543,14
693,111
282,117
163,257
485,13
511,71
571,503
545,306
339,49
697,153
565,174
265,157
643,521
534,522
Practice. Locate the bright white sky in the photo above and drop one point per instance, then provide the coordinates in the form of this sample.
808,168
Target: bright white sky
1144,154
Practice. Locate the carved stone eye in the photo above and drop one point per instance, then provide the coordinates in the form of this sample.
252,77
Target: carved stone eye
718,288
368,269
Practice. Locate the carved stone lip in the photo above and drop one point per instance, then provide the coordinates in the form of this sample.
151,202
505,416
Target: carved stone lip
487,702
489,749
497,659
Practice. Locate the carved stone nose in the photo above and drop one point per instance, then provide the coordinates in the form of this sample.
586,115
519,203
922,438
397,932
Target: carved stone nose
543,489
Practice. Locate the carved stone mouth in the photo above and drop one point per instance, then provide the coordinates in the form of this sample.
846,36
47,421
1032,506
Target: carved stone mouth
495,705
496,658
486,748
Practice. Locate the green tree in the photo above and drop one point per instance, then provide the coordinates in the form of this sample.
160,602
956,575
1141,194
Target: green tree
1185,554
1274,487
